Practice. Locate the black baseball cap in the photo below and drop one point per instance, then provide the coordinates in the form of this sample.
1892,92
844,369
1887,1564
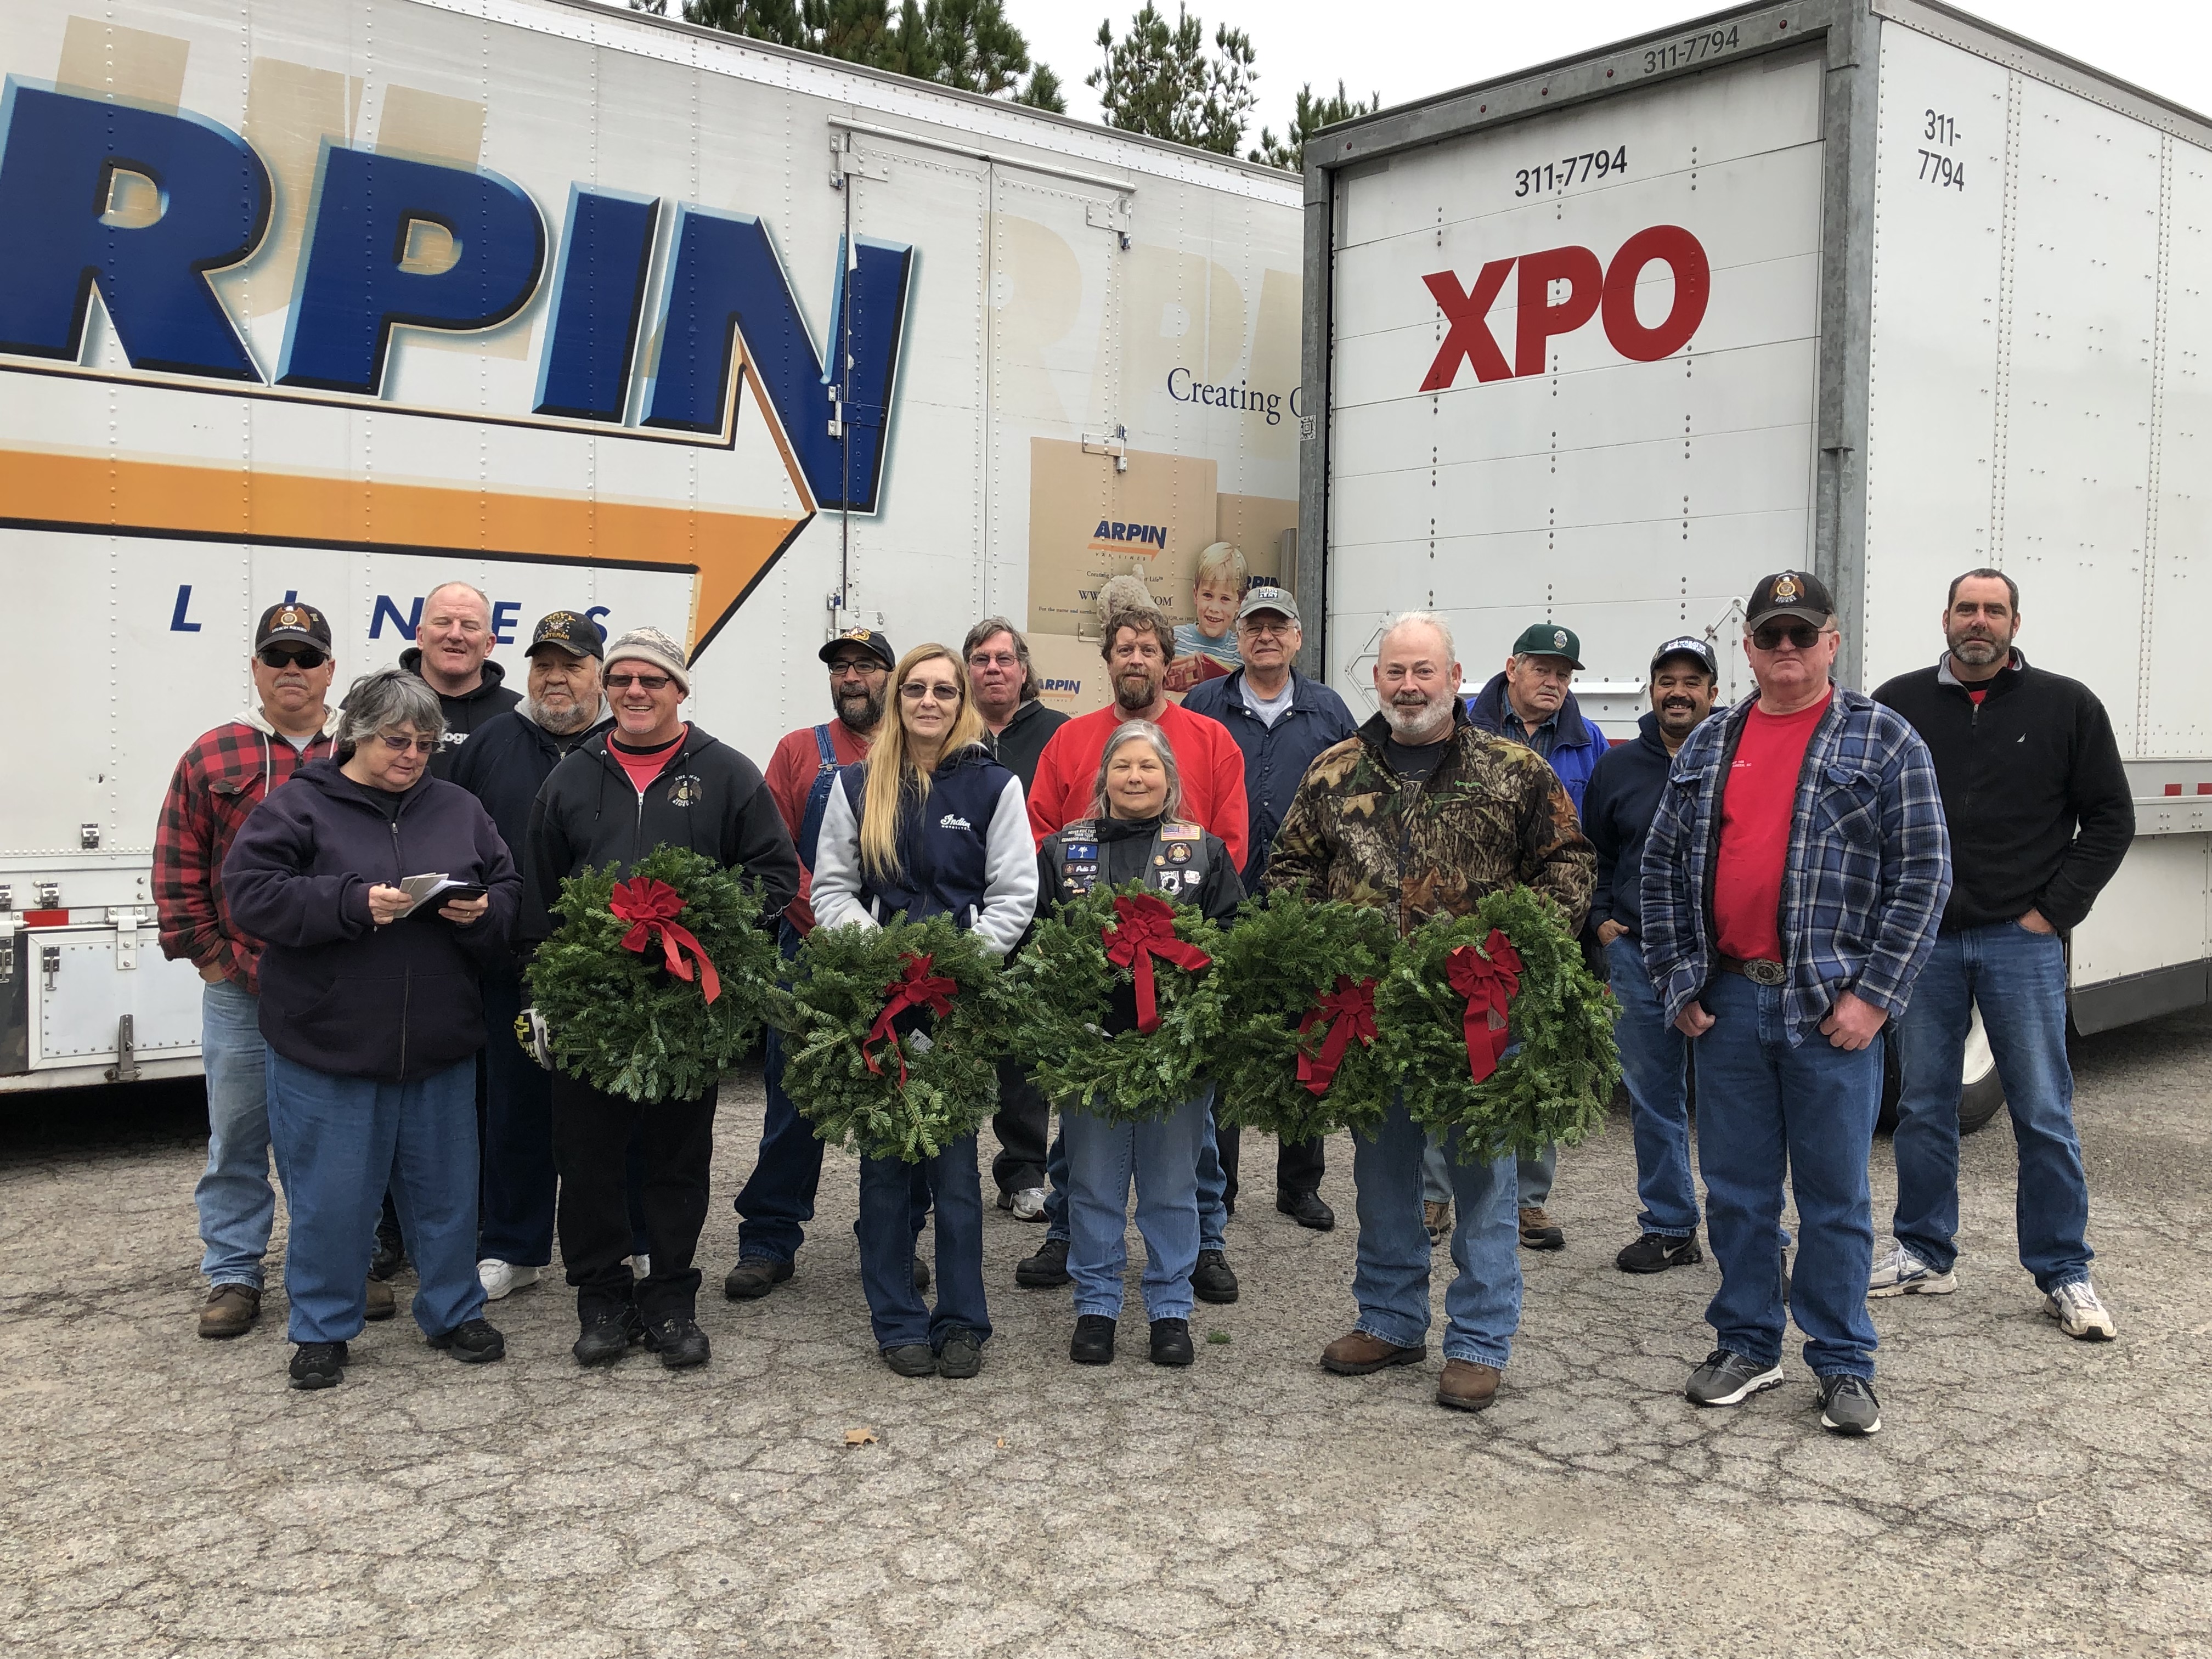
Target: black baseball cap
868,640
572,631
294,623
1688,645
1797,593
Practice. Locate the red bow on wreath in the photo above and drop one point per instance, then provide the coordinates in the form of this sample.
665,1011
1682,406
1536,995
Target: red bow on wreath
914,987
651,907
1350,1008
1146,930
1488,980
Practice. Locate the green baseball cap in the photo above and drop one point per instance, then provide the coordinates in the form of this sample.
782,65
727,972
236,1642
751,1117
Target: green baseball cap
1549,640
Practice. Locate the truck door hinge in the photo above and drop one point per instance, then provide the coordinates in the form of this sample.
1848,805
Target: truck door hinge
125,1069
7,959
1113,443
1112,215
127,923
50,963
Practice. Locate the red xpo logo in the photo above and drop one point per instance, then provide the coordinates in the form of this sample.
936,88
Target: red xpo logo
1591,289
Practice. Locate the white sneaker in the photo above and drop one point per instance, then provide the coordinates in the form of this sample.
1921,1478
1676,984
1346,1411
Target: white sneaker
1029,1204
2079,1312
1900,1273
641,1265
500,1278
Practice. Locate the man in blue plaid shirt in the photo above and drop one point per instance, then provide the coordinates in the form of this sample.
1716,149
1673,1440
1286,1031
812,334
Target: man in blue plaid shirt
1792,885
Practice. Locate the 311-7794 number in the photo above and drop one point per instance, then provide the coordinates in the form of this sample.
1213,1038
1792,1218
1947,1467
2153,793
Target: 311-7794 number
1690,49
1570,170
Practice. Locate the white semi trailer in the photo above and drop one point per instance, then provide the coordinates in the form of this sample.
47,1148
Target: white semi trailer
1862,286
343,299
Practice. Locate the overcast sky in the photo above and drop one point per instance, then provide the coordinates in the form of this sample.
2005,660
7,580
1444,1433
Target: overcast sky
1408,48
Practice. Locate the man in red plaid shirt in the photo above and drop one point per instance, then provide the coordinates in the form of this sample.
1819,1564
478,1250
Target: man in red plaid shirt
222,778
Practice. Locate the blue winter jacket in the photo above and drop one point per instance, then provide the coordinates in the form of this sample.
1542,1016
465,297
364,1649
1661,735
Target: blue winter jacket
1617,811
1275,756
1575,745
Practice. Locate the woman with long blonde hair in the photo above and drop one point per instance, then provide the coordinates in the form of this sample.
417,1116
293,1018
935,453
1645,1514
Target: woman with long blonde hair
929,824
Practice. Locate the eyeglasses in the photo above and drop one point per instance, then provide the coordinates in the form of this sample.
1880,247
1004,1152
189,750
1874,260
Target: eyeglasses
642,681
399,745
298,656
943,691
1803,635
993,659
865,666
1259,629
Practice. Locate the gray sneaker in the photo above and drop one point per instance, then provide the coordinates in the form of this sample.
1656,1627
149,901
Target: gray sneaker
2080,1313
1729,1379
1899,1272
1848,1405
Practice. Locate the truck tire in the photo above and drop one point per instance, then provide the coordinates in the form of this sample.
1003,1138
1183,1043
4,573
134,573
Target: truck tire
1981,1093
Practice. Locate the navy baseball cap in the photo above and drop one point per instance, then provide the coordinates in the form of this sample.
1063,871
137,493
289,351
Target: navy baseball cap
1688,645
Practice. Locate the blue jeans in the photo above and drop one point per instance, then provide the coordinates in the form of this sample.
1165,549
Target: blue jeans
340,1142
1654,1058
1765,1110
887,1238
236,1203
1162,1157
2019,978
1482,1308
1533,1175
1213,1186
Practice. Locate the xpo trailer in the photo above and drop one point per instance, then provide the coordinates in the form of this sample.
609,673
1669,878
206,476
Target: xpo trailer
1871,289
343,299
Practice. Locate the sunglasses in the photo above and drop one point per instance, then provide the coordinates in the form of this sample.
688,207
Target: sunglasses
399,745
642,681
943,691
1803,635
297,656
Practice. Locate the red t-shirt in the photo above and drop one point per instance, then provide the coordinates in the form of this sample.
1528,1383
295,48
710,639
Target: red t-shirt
643,766
790,778
1206,759
1755,811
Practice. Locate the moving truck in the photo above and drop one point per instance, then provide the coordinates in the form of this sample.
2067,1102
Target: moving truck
1866,287
340,300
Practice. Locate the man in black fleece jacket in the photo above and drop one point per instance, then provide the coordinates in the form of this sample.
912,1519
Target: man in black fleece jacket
654,780
2040,816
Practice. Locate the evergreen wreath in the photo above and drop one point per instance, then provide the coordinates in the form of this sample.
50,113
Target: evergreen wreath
1514,954
626,1002
885,1085
1065,980
1299,1056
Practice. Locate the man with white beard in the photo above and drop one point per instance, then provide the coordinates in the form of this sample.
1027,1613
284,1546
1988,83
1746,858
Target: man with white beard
1422,814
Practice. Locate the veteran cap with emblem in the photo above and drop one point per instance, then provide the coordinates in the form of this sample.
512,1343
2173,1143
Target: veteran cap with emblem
1796,594
1549,640
291,620
867,639
572,631
1688,645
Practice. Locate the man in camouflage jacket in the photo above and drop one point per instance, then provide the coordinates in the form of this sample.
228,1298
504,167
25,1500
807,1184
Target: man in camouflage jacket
1422,814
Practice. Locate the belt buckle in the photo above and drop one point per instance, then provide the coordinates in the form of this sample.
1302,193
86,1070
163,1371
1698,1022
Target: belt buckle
1764,972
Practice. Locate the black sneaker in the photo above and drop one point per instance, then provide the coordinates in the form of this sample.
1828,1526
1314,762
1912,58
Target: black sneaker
962,1355
1306,1209
679,1340
1729,1379
607,1335
1654,1253
473,1342
1093,1341
1848,1405
1047,1268
911,1359
389,1256
1212,1280
921,1274
1171,1342
754,1277
318,1364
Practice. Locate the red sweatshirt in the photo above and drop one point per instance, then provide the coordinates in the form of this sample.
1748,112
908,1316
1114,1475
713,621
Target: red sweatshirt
1212,765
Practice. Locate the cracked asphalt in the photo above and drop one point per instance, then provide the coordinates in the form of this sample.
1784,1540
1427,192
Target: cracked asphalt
165,1496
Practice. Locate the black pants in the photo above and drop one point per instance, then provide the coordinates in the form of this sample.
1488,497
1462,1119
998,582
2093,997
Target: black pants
1299,1167
592,1132
1023,1118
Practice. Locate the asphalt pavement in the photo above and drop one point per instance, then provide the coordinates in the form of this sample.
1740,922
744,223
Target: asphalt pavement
163,1495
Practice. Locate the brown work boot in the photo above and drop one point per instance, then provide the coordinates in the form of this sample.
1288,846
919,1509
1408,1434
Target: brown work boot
1538,1230
1467,1387
229,1310
1436,1216
382,1304
1358,1353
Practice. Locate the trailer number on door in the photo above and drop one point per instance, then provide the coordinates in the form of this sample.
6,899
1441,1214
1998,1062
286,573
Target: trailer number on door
1694,49
1935,169
1568,170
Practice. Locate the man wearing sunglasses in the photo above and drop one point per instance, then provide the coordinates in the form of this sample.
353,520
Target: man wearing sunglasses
1792,885
223,776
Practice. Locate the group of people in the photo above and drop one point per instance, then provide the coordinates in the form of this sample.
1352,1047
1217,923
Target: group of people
1768,888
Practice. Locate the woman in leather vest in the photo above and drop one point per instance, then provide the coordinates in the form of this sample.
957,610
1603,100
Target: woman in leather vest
1135,829
929,824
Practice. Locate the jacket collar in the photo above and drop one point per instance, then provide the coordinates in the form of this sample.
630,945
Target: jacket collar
1487,710
327,777
493,676
260,721
2004,680
1301,692
1375,731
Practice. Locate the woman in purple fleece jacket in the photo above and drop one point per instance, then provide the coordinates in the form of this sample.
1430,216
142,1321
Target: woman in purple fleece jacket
373,1017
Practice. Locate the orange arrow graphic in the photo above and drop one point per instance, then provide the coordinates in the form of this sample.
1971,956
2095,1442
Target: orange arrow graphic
725,552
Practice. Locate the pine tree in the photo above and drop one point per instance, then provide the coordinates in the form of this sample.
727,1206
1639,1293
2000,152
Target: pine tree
970,45
1310,117
1160,81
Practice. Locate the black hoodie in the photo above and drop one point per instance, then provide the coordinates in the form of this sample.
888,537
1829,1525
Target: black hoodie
706,797
466,713
1621,799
